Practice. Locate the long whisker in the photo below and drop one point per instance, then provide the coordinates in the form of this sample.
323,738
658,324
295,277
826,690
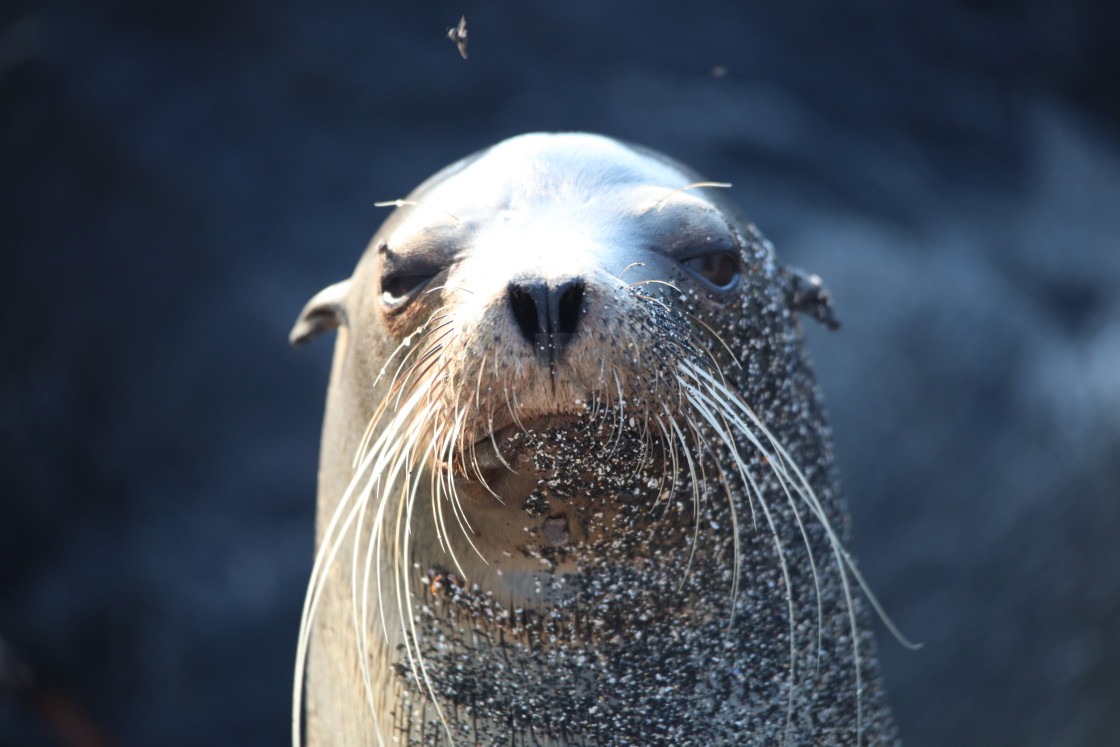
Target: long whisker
416,203
330,544
694,478
805,491
404,593
713,422
719,185
779,461
460,516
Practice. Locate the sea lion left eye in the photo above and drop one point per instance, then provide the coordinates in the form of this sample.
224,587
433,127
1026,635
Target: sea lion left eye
396,289
720,269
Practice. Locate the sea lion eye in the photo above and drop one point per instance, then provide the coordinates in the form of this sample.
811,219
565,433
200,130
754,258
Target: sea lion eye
399,288
719,269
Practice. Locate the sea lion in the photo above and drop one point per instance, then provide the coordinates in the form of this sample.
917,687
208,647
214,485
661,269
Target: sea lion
576,483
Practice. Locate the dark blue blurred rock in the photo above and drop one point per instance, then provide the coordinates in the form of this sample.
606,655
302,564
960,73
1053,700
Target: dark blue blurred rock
178,177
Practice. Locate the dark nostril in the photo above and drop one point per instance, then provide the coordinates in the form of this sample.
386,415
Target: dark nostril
548,317
568,309
527,312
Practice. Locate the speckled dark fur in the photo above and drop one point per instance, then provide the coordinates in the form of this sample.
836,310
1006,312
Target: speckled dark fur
642,653
635,634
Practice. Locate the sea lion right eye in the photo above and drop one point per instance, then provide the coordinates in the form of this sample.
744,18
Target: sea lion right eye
719,269
398,289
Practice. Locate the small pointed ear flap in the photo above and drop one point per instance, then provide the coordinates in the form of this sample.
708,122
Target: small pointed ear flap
806,293
322,313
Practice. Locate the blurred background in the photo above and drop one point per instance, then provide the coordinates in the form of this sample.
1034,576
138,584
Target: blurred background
177,178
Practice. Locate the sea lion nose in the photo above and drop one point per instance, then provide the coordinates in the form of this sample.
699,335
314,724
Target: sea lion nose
547,313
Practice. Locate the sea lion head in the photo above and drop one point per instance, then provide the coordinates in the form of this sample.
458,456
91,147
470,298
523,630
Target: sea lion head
576,479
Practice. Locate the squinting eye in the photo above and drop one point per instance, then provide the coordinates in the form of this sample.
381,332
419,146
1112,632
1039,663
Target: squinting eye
396,289
718,268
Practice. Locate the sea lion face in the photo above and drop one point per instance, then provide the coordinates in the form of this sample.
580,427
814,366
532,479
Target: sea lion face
570,378
532,308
